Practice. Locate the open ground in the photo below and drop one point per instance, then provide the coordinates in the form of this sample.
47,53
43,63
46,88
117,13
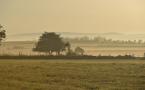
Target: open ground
72,75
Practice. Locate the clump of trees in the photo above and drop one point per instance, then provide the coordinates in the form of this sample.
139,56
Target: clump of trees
51,43
2,33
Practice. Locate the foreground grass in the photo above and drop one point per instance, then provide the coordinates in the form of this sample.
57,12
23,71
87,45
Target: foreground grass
72,75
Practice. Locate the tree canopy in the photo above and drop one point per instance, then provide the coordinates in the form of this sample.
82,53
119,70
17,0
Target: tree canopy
50,42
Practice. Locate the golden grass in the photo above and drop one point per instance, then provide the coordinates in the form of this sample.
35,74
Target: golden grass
72,75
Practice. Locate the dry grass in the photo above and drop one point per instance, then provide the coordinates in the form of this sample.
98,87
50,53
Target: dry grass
72,75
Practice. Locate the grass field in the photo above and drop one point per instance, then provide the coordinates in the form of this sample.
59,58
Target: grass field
72,75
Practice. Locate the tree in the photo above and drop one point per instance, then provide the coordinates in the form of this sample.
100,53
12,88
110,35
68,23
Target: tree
79,51
2,33
69,51
49,43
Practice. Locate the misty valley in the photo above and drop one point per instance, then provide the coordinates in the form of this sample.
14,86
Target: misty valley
90,47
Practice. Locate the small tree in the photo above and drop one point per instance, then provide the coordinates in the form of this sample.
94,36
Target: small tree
49,43
69,51
68,47
2,33
79,51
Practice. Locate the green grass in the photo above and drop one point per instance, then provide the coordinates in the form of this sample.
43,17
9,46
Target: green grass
72,75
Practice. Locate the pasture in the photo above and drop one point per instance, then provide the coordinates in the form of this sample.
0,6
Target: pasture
72,75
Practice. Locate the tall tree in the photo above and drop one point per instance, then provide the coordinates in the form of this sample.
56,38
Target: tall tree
49,43
2,33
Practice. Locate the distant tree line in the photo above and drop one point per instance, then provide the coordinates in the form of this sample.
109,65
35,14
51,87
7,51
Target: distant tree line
103,40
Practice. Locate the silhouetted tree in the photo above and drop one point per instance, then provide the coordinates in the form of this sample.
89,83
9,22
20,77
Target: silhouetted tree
79,51
49,43
2,33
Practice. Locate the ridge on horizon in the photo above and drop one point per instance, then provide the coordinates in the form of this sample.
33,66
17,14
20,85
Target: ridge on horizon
69,33
110,35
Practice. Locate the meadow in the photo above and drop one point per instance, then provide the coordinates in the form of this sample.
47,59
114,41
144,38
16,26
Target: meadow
72,75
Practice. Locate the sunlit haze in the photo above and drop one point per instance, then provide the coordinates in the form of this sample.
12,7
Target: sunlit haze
89,16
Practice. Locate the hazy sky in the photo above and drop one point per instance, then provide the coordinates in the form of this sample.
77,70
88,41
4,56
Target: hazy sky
92,16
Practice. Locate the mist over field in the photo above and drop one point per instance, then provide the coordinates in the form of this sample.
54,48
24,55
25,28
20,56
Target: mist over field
109,35
115,44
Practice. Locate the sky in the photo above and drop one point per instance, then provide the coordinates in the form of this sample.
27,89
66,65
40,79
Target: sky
87,16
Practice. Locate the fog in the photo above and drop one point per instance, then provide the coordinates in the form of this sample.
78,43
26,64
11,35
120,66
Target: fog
89,16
